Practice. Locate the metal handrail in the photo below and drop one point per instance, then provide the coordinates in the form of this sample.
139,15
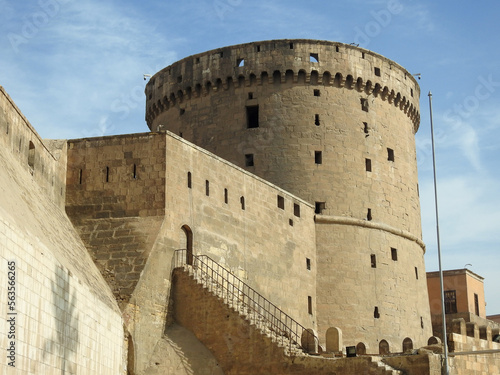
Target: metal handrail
240,295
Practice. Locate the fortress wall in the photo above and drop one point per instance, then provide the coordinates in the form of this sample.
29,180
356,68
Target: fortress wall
263,244
66,320
44,160
353,284
116,199
330,123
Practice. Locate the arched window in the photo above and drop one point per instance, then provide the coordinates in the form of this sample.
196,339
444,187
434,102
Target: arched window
383,347
407,344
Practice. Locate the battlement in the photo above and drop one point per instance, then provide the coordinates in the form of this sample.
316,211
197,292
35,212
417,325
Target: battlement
298,61
472,337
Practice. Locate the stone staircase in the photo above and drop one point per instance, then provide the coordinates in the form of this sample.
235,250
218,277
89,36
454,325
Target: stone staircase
267,329
276,330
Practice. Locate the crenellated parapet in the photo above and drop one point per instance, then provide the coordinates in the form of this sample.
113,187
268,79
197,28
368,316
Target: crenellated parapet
282,62
472,337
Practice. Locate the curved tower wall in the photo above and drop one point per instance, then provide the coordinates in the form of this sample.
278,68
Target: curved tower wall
333,124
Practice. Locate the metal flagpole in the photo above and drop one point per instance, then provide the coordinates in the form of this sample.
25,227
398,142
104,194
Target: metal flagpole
445,339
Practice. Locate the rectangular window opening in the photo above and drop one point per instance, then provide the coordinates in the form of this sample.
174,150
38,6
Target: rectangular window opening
394,254
242,202
189,180
249,160
309,305
207,188
80,176
226,199
308,264
364,104
476,304
313,57
296,209
336,48
377,71
134,172
319,207
291,45
368,165
390,154
365,128
250,95
416,273
252,116
318,157
450,302
316,92
369,214
373,259
376,314
281,202
107,174
290,222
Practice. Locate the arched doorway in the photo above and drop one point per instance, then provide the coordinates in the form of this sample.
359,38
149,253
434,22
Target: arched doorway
189,243
383,347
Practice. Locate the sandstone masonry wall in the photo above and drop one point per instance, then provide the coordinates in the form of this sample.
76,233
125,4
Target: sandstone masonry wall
66,319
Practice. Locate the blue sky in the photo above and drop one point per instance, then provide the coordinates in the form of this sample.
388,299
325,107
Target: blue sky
75,68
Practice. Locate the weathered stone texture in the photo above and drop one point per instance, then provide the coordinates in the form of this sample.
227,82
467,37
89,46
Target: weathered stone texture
335,127
67,320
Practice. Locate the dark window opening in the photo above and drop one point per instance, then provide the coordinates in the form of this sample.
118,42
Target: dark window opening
179,79
476,304
309,305
226,198
319,207
291,45
281,202
197,60
450,302
336,48
240,62
411,92
365,128
249,160
369,214
258,48
290,222
308,264
318,157
252,116
394,254
180,135
376,314
207,188
189,180
373,259
368,165
421,322
134,172
107,174
377,72
31,155
242,202
182,111
313,57
250,95
390,154
80,176
364,104
362,55
316,92
416,273
316,119
296,209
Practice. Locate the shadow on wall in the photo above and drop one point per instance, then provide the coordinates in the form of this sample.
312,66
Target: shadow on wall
64,341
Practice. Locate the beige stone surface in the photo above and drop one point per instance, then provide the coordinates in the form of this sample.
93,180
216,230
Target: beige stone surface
67,320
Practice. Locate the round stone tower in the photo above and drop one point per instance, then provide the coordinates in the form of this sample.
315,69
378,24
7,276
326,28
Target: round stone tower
333,124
